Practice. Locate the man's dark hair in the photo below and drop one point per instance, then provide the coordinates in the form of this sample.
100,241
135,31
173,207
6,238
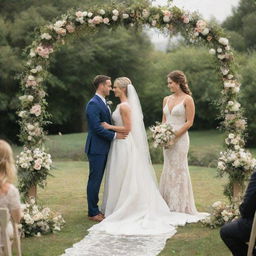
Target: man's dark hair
100,79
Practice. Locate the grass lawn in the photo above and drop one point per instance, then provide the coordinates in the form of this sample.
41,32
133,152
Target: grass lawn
66,193
71,146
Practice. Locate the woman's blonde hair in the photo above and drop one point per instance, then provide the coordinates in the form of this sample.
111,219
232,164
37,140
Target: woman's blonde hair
122,82
7,165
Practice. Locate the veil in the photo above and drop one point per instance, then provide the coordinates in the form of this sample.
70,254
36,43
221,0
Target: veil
138,129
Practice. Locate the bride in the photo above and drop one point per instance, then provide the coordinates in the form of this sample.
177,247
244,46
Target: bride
137,219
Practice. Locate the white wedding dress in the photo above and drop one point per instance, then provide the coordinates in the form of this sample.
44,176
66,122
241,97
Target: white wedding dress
138,221
175,183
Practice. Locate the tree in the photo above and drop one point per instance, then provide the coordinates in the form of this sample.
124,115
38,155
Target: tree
242,21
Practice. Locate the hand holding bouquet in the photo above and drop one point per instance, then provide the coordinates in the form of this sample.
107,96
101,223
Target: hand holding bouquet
163,134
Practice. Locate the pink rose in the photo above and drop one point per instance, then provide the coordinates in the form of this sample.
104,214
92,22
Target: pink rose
106,20
31,83
60,31
38,164
185,19
70,28
44,51
97,20
79,14
36,110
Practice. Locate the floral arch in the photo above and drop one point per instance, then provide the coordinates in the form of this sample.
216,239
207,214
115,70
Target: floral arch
34,163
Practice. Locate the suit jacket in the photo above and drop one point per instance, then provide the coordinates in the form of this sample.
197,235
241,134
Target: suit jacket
248,206
98,139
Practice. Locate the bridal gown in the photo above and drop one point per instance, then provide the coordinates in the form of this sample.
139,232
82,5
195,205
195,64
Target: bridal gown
175,183
138,221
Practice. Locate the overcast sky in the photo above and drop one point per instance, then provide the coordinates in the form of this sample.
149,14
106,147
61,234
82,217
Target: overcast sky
220,9
208,8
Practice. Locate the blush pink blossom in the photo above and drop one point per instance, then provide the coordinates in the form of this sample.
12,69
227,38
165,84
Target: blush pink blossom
36,110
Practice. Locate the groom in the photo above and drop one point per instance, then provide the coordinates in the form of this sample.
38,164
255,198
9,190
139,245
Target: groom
98,142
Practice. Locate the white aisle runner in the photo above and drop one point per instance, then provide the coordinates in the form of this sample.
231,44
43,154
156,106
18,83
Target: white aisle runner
102,244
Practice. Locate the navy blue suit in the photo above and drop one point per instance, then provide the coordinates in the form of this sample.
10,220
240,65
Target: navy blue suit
97,148
235,234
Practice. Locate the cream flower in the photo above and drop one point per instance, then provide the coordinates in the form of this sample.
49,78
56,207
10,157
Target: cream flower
223,41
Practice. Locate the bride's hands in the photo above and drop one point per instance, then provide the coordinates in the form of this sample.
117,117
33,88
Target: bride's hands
106,125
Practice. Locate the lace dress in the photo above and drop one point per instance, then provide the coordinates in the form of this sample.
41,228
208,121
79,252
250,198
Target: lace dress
11,201
175,183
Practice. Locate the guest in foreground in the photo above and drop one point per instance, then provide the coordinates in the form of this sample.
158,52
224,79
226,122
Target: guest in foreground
236,234
9,195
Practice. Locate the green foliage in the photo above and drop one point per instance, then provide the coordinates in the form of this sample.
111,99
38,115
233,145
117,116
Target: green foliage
242,22
248,96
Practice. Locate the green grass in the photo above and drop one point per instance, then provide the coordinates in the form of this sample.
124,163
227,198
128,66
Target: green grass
65,193
203,144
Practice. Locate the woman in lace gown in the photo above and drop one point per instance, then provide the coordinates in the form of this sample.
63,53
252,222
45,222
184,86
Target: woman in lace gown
175,183
137,219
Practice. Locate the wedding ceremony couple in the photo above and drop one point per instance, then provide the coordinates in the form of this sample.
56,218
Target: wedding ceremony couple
136,212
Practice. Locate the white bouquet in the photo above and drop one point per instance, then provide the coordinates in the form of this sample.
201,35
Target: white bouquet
162,134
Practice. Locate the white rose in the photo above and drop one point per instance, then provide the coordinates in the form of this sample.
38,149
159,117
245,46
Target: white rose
22,114
223,41
236,107
31,78
219,50
231,136
115,12
228,84
59,23
114,18
89,14
153,23
166,19
101,12
212,51
224,71
221,56
30,127
32,53
145,13
80,20
236,89
125,16
39,68
46,36
85,14
230,103
33,70
205,31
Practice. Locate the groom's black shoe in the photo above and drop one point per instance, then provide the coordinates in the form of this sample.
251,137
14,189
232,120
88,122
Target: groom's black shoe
97,218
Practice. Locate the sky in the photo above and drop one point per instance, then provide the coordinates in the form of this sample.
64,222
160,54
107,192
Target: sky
220,9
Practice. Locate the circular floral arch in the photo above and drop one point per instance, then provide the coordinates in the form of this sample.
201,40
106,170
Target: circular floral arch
34,163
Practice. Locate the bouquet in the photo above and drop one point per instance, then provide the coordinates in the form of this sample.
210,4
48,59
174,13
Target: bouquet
162,134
